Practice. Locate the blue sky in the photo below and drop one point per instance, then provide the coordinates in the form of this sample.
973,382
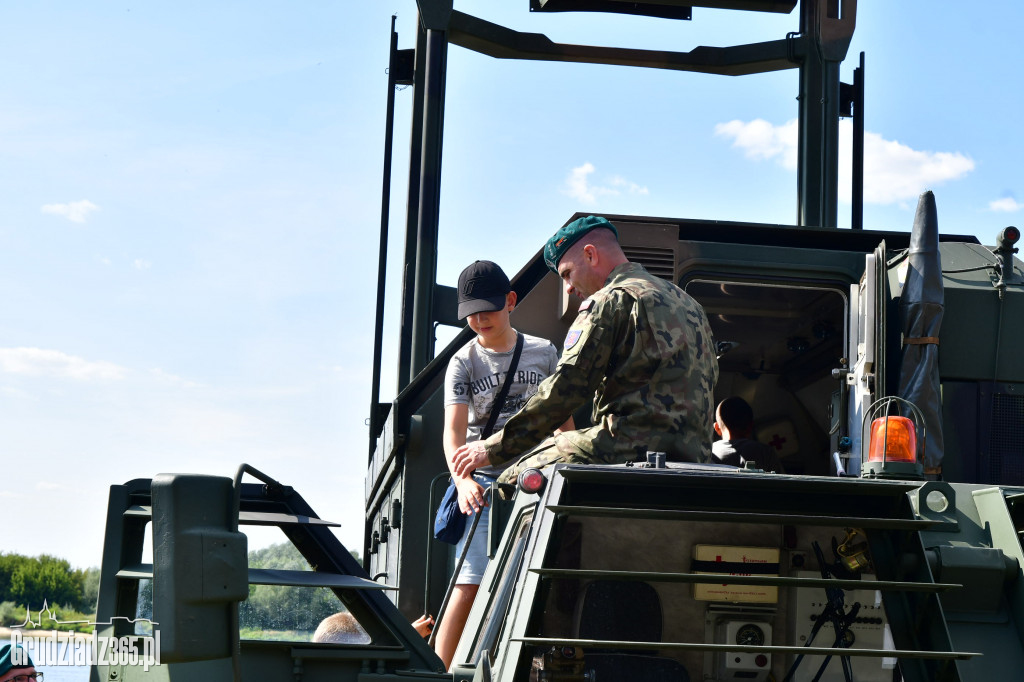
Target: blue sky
190,204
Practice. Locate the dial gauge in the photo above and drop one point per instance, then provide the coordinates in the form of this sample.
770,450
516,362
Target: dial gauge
750,635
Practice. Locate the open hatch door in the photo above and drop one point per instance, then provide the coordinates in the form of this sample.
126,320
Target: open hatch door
869,311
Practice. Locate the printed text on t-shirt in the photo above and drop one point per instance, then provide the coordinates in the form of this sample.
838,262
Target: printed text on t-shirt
494,381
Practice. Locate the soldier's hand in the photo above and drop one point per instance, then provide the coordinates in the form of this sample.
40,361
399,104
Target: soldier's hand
469,458
472,496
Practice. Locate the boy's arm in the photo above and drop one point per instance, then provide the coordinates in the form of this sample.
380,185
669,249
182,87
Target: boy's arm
456,421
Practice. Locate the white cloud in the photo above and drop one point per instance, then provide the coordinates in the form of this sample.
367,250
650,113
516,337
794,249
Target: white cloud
761,140
627,186
172,379
579,187
52,363
1005,205
893,172
75,211
140,264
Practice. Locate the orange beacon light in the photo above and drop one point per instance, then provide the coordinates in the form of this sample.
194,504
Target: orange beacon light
893,439
894,448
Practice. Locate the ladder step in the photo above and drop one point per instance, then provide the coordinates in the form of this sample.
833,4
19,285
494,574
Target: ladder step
728,579
137,572
742,517
266,576
248,518
142,511
274,519
737,648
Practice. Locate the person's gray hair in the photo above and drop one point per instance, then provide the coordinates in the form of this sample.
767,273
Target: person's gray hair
340,628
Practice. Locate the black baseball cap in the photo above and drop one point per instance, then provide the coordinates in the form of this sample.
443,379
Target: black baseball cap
483,287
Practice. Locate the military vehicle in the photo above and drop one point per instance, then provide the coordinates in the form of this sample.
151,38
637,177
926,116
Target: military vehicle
888,550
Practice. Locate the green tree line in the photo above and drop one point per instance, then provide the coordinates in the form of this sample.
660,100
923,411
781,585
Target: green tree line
29,582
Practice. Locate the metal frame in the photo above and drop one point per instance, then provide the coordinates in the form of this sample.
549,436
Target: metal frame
882,508
817,49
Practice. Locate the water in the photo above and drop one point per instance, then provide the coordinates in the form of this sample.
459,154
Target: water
57,673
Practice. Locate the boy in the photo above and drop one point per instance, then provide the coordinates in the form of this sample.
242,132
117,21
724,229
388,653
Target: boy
734,422
474,378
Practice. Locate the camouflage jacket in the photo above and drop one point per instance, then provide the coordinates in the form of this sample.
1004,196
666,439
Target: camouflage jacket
642,350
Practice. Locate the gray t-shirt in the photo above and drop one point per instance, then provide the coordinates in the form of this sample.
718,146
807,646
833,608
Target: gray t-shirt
475,376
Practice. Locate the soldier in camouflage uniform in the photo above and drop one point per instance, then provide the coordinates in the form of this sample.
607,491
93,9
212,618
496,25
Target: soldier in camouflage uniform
641,349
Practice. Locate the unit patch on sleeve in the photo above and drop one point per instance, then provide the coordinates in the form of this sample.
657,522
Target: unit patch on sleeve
572,337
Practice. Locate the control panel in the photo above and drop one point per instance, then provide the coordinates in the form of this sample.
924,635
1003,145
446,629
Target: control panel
869,630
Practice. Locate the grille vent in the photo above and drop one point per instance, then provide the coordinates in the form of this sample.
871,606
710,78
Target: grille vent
1006,459
657,261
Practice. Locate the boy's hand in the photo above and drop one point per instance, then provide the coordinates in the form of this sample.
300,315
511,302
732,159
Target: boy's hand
472,496
423,625
469,457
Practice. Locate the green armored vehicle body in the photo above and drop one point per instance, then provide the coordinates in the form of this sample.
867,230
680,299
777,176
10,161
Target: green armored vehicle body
866,560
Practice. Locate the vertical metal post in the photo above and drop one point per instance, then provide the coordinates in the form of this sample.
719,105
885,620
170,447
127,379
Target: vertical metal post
425,268
857,190
382,256
405,373
818,153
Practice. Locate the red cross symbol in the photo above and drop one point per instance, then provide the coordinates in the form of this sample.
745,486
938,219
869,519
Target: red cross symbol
777,441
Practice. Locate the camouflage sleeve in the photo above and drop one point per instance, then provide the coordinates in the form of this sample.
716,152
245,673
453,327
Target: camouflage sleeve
585,357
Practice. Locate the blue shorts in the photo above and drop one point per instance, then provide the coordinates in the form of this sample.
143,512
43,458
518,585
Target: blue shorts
472,571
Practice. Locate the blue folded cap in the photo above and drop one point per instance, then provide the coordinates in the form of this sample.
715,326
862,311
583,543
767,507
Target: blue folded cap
7,654
569,235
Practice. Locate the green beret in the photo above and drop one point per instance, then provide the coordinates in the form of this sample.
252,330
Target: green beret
7,662
569,235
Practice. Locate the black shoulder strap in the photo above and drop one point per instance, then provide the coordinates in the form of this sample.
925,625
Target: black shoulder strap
499,402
